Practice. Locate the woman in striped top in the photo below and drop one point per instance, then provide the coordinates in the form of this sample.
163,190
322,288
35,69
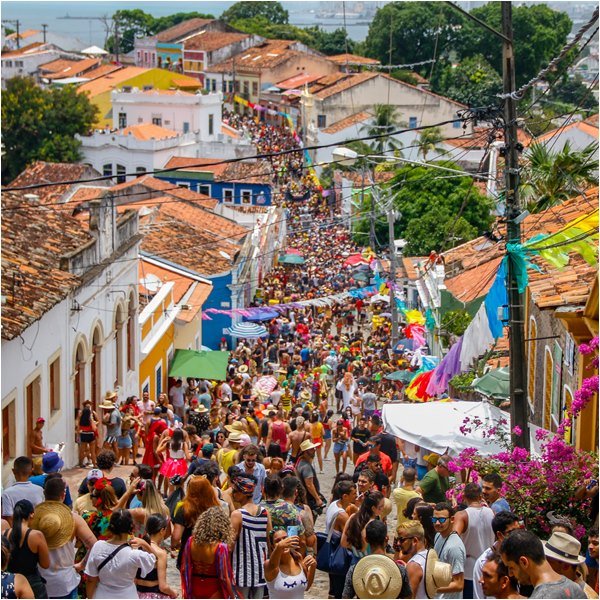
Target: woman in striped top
251,525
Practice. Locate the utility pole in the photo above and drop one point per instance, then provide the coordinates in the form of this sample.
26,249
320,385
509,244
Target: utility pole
17,25
392,250
44,28
518,366
372,239
116,37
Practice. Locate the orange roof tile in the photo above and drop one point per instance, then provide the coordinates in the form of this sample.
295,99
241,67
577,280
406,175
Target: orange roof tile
183,81
213,40
175,33
353,59
590,129
593,120
23,34
197,298
101,71
245,171
181,284
354,119
108,82
61,69
207,165
346,83
24,50
264,56
297,81
35,238
148,131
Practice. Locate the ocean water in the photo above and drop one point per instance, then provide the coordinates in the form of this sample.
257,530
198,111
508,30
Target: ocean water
90,29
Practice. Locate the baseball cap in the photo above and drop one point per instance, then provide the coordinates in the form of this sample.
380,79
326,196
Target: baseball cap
94,474
40,420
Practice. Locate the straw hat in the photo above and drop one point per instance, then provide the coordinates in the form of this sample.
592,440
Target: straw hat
563,547
243,369
305,395
108,403
437,574
376,576
235,427
235,436
201,409
308,445
387,508
55,521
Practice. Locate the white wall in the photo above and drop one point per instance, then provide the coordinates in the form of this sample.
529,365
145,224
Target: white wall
25,65
173,109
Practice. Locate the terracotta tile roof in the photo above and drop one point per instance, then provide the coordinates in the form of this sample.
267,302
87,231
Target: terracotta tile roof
61,69
354,119
297,81
349,80
593,120
208,165
588,128
148,131
34,238
213,40
183,81
352,59
47,172
469,266
195,301
243,171
108,82
264,56
29,49
250,210
177,233
154,185
23,34
84,193
357,178
101,71
175,33
481,136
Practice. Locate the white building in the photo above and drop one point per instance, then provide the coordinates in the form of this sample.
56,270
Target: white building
69,316
173,109
25,62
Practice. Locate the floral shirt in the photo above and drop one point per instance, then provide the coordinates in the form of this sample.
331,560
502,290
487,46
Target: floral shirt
97,521
283,514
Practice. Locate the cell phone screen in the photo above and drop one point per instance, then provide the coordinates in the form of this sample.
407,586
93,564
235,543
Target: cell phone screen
292,530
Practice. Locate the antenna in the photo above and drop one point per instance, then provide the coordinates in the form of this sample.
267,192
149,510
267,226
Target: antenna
151,282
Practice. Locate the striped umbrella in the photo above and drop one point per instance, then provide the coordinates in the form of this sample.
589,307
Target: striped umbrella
247,330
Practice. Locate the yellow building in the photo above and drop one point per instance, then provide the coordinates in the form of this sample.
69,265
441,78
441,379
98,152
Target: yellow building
99,90
171,318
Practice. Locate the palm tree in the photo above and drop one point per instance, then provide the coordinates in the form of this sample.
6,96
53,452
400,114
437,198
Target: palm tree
428,141
386,122
552,177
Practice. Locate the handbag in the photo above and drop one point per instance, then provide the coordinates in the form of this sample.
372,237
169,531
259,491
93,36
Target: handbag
333,558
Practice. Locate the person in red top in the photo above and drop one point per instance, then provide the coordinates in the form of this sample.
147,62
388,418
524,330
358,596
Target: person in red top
278,431
386,461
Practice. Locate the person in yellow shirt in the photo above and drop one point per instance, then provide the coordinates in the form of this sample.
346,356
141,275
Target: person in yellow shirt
402,494
316,433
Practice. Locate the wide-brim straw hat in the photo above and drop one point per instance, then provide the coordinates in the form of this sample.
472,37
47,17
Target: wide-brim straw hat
243,369
108,402
305,395
376,576
564,547
437,574
308,445
55,521
201,409
235,427
235,436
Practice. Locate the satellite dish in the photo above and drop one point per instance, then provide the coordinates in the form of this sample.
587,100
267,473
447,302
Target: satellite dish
151,282
225,255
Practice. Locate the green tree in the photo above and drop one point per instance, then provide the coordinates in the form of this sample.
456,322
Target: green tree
272,11
539,34
473,81
551,177
41,124
416,29
386,121
573,92
429,140
428,204
330,42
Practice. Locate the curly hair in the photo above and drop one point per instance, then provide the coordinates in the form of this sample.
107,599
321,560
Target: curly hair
213,526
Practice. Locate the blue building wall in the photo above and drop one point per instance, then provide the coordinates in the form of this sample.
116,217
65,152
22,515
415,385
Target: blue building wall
220,297
260,193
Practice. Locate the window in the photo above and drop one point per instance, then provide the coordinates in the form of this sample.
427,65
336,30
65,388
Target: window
567,402
211,124
531,357
9,429
157,121
204,189
557,385
228,196
145,58
107,170
186,127
246,196
121,171
236,86
140,169
131,329
548,371
158,379
119,321
18,63
54,385
230,86
412,122
207,84
321,121
146,386
246,88
183,184
9,63
122,120
213,85
255,88
139,57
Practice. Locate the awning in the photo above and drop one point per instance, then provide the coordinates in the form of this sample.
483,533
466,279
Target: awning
262,314
494,384
201,364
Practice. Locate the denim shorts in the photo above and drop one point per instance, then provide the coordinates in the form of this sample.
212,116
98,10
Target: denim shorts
339,447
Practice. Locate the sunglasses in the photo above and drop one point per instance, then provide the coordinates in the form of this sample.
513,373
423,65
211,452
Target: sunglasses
401,540
440,520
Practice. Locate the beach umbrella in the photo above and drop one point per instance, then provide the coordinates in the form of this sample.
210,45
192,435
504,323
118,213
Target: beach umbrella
266,384
251,331
379,298
293,251
387,315
291,259
210,364
403,376
261,314
494,384
361,276
355,259
403,345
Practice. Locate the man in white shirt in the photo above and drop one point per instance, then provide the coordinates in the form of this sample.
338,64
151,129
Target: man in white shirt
22,489
146,407
176,394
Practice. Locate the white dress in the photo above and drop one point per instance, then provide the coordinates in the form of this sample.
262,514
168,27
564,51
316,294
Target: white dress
116,579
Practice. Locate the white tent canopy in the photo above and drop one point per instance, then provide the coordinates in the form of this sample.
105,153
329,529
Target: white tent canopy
436,426
94,51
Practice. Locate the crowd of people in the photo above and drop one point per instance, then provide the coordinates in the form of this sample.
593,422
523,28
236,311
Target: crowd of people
226,477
